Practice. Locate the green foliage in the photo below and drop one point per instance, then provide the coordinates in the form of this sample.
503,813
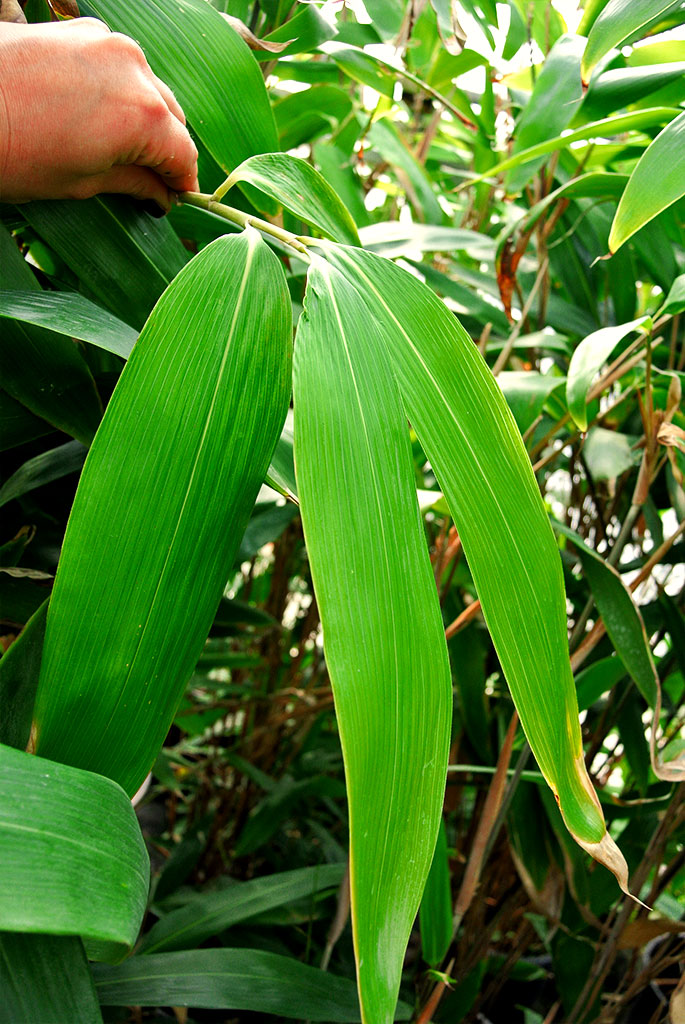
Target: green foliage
277,655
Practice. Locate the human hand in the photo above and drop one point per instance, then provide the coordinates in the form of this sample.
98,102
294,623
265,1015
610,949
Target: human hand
82,113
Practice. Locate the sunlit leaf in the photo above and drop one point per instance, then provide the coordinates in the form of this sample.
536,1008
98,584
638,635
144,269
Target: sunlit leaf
300,188
383,634
615,22
656,183
587,360
475,449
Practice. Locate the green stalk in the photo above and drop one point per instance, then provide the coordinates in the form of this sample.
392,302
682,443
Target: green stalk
242,219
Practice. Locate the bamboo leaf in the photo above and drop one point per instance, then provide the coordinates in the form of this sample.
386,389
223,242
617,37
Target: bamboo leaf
636,119
46,978
210,68
163,501
626,630
300,188
657,181
436,905
72,859
470,437
383,635
232,979
121,254
614,23
19,671
587,360
43,371
71,314
206,914
43,469
552,104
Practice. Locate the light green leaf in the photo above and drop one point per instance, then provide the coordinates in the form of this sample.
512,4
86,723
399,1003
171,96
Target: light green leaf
588,359
607,453
46,978
208,913
618,20
526,392
211,70
163,501
300,188
470,438
71,314
656,183
552,104
307,29
72,859
607,126
675,300
385,138
383,634
436,905
232,979
619,87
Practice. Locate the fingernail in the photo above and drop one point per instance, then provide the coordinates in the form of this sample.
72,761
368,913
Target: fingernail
153,208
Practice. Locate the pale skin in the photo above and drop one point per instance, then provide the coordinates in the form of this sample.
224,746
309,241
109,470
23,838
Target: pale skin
82,113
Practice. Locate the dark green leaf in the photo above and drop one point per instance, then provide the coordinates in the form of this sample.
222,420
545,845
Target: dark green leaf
188,433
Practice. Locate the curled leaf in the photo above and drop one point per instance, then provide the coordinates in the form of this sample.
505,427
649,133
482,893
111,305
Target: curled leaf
251,39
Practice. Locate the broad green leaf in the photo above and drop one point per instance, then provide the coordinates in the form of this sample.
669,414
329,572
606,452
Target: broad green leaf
619,87
526,392
163,501
383,634
608,453
71,314
19,671
586,361
205,914
46,978
121,254
656,183
44,372
211,70
307,29
302,116
615,22
72,859
300,188
232,979
436,905
607,126
591,11
470,438
552,104
43,469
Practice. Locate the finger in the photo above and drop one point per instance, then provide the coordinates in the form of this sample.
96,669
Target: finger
171,153
170,100
131,180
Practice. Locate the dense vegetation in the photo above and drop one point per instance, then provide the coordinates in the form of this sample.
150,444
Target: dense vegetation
469,217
